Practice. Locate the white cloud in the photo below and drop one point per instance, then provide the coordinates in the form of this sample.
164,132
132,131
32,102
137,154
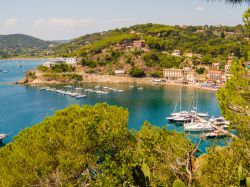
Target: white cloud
199,9
9,23
62,23
55,28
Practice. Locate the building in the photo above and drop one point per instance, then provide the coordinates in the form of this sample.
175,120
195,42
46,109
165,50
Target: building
216,65
70,61
215,75
185,74
176,52
139,44
189,55
119,72
228,66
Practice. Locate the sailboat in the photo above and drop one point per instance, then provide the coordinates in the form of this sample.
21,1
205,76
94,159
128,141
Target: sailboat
180,116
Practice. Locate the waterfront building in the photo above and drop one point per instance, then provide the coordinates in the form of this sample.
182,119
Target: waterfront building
185,74
215,75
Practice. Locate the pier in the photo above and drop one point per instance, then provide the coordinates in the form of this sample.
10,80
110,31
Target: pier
220,129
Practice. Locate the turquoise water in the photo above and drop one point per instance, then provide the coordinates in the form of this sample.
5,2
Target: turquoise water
22,106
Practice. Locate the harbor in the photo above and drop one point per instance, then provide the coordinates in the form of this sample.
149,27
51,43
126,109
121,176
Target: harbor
194,121
144,102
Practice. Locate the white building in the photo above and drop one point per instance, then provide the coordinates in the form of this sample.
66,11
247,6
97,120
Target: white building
185,74
119,72
70,61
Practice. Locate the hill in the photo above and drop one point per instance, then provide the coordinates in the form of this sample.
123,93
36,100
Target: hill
21,41
152,47
20,45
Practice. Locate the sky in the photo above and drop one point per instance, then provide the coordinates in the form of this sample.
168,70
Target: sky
67,19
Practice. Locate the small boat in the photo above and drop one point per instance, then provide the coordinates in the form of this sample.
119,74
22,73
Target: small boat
20,66
141,88
81,96
203,115
120,90
5,71
215,134
2,136
131,86
44,88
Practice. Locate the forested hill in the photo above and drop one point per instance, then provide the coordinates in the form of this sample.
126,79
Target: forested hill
121,48
214,40
21,41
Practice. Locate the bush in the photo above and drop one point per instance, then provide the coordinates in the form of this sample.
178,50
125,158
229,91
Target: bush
62,68
157,74
43,68
200,70
89,63
136,72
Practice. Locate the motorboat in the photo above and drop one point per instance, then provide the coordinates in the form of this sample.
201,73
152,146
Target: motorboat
203,115
215,134
2,136
219,121
81,96
198,127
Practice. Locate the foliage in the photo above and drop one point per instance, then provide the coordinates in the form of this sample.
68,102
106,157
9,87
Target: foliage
178,183
246,18
81,146
43,68
200,70
234,100
62,68
137,72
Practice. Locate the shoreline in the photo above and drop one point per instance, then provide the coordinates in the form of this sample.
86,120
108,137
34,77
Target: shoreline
92,78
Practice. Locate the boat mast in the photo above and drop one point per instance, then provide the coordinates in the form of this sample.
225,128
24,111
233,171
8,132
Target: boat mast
180,99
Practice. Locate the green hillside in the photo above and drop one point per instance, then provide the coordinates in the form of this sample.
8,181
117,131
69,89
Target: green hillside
21,41
103,52
20,45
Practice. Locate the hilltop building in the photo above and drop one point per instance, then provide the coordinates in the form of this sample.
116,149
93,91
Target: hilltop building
139,44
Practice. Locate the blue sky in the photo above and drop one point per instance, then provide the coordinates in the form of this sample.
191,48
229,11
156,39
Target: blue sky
66,19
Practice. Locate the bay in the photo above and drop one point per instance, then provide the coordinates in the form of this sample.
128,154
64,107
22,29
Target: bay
24,106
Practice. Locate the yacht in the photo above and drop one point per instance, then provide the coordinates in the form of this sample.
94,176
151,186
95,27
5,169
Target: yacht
215,134
198,127
219,121
2,136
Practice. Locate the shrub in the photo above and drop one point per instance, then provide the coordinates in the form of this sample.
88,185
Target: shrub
136,72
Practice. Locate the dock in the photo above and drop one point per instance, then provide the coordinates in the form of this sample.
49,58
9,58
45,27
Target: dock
220,129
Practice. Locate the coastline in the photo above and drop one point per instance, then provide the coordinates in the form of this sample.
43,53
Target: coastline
93,78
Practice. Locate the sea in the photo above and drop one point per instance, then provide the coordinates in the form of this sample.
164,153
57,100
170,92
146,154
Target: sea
24,106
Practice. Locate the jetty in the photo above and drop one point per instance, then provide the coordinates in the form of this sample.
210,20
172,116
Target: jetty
219,129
